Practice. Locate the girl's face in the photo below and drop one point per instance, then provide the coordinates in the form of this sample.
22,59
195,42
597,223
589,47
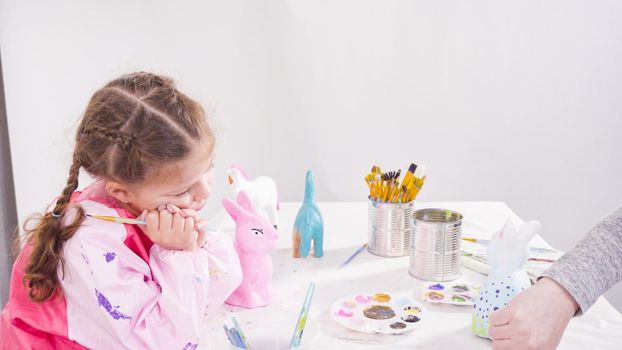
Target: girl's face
185,184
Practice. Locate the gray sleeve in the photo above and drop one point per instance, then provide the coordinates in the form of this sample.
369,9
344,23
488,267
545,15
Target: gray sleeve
594,264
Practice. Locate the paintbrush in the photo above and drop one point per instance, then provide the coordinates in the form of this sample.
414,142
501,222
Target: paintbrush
241,333
419,172
231,338
375,169
412,193
357,252
390,189
416,187
238,339
476,240
372,189
120,220
409,174
395,185
389,178
543,250
416,182
542,260
378,181
372,175
302,318
397,190
404,194
384,178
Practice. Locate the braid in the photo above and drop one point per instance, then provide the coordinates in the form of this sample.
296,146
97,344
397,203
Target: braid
41,276
114,136
70,187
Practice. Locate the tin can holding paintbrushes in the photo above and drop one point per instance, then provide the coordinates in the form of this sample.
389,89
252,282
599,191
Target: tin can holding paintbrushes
390,227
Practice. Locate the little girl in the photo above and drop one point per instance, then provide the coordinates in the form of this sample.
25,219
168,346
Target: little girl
81,282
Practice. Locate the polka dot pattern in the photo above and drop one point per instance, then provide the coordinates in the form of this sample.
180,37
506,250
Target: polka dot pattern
495,295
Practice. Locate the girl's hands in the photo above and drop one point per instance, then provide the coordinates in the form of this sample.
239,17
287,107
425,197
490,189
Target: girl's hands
173,228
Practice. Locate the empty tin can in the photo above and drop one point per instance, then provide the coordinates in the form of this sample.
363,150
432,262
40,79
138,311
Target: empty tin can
435,245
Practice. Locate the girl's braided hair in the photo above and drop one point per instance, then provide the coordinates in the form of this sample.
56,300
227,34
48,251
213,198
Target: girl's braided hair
131,127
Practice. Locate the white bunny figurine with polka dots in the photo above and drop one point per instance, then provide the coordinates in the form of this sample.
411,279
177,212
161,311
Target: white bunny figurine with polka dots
508,251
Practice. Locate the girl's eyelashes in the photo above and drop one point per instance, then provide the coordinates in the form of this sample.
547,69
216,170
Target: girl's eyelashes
188,190
182,193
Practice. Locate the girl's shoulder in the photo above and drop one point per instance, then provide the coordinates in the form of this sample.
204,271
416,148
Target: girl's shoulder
96,192
96,230
94,201
98,242
128,240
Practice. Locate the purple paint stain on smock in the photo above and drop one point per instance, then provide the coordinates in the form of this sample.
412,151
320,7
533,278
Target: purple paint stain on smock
112,310
190,346
110,256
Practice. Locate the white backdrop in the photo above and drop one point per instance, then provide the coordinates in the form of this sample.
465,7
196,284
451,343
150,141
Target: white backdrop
513,101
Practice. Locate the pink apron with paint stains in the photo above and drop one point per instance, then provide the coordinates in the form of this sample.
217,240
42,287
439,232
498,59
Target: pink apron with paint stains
119,290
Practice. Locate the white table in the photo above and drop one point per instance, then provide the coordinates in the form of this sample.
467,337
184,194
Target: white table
447,326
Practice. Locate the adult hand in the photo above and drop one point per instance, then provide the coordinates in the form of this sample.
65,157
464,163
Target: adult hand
534,319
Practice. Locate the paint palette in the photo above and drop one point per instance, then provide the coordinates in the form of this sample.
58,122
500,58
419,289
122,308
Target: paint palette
455,293
381,312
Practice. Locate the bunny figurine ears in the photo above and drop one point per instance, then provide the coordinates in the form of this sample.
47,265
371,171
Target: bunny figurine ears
242,209
508,247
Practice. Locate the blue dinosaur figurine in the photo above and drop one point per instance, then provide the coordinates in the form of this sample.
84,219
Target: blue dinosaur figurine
309,224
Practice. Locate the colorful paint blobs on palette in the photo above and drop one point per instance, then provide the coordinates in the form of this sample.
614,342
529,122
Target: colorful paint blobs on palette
387,313
362,299
463,297
398,325
460,288
379,312
382,297
437,286
411,319
435,296
344,313
455,293
412,310
349,304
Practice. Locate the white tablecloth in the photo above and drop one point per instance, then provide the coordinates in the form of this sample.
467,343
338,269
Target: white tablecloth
446,327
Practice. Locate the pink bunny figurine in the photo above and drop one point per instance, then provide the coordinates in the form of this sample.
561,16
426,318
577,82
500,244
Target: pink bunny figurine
255,238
